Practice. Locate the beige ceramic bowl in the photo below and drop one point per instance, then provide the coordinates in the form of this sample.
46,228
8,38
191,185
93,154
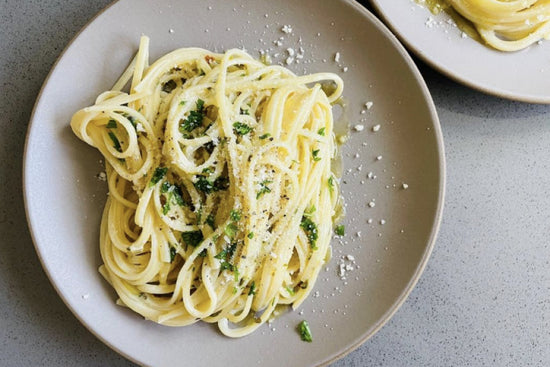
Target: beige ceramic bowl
64,198
522,76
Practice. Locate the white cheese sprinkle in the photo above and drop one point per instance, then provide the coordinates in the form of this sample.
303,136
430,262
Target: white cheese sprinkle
337,57
359,127
376,128
286,29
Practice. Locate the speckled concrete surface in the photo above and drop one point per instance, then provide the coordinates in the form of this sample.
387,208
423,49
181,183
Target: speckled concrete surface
484,299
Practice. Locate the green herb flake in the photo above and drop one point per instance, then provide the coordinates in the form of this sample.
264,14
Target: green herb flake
241,129
193,238
173,193
305,331
173,253
207,186
290,290
312,233
235,215
166,208
340,230
250,235
177,196
182,103
263,188
244,112
116,143
194,119
265,136
315,154
225,256
331,183
321,131
252,290
111,124
165,187
158,175
230,230
203,184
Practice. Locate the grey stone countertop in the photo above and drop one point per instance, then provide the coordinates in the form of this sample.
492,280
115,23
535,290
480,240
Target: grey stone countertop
484,299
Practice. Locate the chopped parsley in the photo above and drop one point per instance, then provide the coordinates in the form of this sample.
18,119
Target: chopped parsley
310,228
331,183
289,290
225,256
111,124
315,154
182,103
305,332
116,143
241,129
230,230
235,215
244,112
250,235
159,174
263,188
340,230
166,208
321,131
173,193
265,136
193,238
210,221
252,290
173,253
205,185
194,119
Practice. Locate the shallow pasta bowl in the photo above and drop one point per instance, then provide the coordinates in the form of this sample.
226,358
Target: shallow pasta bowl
393,181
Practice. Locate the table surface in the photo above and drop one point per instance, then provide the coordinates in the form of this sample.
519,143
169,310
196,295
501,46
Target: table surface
484,298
